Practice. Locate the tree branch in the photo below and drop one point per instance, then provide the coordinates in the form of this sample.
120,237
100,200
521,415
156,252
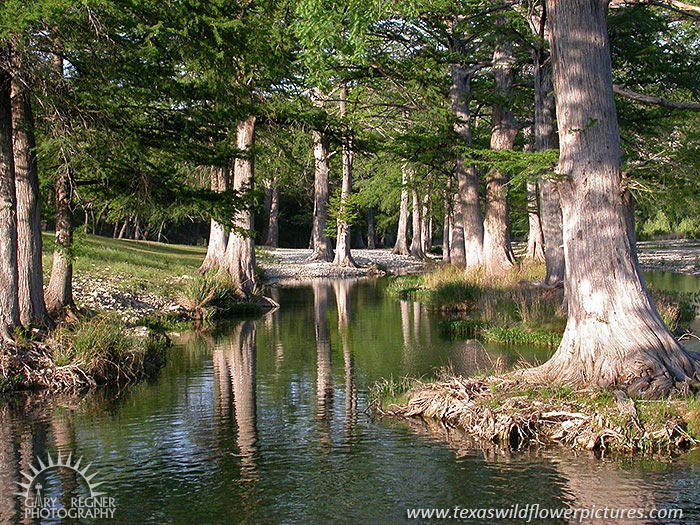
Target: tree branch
674,5
647,99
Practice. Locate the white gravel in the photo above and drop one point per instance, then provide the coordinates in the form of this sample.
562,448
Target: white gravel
284,264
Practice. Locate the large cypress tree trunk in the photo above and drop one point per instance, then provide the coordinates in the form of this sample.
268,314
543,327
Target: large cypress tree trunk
535,240
546,139
426,224
498,253
469,222
447,223
401,246
239,258
59,293
416,241
343,257
9,304
272,234
321,244
219,182
614,336
32,308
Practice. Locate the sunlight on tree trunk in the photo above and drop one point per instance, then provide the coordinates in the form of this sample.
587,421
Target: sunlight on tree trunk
401,246
416,244
614,336
321,244
239,258
535,241
343,257
467,250
219,182
498,253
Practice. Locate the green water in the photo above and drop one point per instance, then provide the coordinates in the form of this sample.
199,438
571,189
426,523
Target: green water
265,422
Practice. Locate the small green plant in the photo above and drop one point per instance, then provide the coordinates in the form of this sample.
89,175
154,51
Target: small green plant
205,296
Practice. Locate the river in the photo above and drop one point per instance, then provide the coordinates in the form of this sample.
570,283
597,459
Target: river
265,421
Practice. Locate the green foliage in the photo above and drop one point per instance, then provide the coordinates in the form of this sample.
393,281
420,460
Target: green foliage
210,296
104,349
342,210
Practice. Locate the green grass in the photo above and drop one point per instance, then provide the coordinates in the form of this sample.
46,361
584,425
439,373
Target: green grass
140,265
506,311
104,349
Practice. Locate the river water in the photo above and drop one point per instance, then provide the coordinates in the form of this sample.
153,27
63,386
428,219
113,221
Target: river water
265,422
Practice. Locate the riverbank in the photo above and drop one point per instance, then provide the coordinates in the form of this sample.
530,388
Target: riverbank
514,416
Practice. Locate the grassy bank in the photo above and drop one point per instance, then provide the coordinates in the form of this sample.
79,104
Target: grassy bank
514,416
509,309
128,295
85,352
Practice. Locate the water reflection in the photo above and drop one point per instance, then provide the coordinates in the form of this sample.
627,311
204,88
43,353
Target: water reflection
343,291
264,423
235,392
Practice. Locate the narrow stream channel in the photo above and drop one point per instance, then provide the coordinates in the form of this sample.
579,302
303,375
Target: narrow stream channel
264,422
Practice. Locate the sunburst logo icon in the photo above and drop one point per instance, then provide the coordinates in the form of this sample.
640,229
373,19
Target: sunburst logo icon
58,463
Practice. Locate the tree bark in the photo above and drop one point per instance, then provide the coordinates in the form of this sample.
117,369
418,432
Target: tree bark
239,258
59,293
401,246
614,336
469,224
322,248
426,224
446,223
546,139
219,182
416,240
343,257
32,308
498,253
535,240
9,303
272,237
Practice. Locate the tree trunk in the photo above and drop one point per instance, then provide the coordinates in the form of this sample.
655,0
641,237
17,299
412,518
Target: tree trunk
446,223
322,248
371,236
219,182
535,241
272,237
614,336
469,224
32,308
401,246
426,224
239,258
59,293
343,257
416,244
546,139
498,253
458,255
9,304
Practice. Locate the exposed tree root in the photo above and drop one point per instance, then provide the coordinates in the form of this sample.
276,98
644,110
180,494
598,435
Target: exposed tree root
501,411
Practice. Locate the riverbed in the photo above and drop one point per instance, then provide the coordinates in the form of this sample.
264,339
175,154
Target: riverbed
266,421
